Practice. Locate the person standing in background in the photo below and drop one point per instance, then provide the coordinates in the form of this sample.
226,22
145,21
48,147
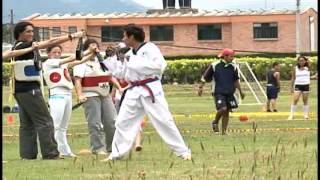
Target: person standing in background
225,80
273,86
300,85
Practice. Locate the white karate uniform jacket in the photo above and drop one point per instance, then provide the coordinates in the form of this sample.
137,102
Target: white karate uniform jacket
147,62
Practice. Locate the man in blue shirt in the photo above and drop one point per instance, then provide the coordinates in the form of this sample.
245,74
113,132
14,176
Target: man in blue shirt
225,80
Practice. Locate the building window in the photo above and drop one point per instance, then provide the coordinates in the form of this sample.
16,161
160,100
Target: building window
209,32
111,33
265,30
72,29
161,33
43,33
36,33
56,31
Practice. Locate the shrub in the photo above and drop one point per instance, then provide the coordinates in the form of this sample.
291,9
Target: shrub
190,70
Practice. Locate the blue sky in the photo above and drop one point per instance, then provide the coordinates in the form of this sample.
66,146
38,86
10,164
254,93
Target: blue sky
236,4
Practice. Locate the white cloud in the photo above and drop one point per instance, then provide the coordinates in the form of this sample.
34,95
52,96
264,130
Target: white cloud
156,4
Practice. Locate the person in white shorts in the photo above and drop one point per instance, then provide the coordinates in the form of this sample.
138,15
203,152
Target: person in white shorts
300,85
60,86
144,69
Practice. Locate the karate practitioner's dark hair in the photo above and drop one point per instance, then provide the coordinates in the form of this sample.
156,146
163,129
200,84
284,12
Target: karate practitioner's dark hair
49,49
20,27
88,42
137,32
305,64
275,64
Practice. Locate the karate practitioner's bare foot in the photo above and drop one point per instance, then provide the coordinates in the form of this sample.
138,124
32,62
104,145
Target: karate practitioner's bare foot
84,152
187,157
106,160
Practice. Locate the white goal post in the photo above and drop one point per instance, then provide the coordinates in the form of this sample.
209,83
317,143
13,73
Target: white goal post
257,94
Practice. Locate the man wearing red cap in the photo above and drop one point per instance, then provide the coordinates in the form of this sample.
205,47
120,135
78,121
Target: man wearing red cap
225,80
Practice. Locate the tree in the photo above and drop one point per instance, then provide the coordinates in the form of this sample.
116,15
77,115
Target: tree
6,34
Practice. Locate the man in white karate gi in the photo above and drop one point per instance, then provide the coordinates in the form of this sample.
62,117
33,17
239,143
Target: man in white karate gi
143,69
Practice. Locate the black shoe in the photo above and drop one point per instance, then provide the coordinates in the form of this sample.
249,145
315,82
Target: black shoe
53,158
139,148
275,110
269,110
215,127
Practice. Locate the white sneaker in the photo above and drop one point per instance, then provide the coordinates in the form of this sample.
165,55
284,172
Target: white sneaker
106,159
99,152
290,117
71,155
187,157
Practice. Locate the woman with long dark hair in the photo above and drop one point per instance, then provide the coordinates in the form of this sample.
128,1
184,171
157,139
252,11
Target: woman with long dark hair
35,119
300,86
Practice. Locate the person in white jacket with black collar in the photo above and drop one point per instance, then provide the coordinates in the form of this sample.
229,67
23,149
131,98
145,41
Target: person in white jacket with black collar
143,70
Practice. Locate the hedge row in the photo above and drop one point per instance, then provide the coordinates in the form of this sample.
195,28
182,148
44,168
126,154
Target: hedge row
189,71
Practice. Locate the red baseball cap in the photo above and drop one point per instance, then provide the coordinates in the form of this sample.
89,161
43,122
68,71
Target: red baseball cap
226,52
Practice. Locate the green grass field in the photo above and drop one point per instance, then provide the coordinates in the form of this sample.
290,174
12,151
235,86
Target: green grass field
273,149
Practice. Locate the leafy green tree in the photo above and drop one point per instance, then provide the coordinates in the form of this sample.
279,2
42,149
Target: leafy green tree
6,34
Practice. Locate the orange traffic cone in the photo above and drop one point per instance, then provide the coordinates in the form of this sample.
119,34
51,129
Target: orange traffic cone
144,123
10,119
243,118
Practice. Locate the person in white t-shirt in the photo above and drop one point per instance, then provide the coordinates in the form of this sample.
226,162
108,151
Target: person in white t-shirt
60,86
300,85
93,89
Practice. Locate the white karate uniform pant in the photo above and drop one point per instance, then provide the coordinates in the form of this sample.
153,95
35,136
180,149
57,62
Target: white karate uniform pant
60,110
129,120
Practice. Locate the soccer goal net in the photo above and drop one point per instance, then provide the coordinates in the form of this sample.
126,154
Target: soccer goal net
255,93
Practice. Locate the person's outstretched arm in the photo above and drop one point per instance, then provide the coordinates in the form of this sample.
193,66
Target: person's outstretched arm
61,39
88,54
293,77
237,84
19,52
206,77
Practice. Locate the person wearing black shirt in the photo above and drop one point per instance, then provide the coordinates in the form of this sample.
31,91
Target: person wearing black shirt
273,86
14,53
225,80
35,119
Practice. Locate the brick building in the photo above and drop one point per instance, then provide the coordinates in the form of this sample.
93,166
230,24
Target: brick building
265,30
